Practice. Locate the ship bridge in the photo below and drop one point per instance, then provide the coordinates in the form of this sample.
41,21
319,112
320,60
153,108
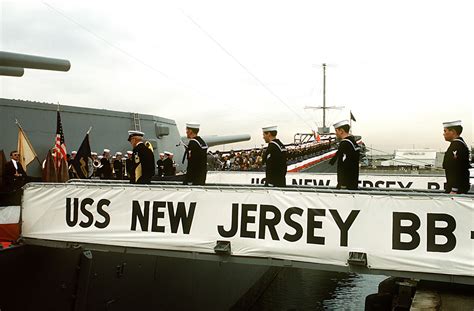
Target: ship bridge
416,234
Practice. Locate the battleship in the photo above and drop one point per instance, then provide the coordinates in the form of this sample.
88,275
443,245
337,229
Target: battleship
88,245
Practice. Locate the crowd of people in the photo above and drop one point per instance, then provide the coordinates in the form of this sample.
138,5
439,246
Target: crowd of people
104,166
252,159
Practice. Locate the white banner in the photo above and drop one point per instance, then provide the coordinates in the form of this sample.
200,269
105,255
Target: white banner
423,182
416,233
9,215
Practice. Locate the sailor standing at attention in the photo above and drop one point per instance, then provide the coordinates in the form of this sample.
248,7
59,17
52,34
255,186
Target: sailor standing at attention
456,159
143,160
275,159
196,153
347,157
105,169
128,165
159,164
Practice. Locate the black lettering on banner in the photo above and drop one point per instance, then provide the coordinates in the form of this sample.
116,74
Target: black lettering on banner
447,232
85,212
389,183
313,224
157,215
141,216
246,219
321,183
294,181
433,186
379,183
405,187
74,210
398,230
180,216
344,226
270,223
101,212
234,224
307,181
290,222
367,184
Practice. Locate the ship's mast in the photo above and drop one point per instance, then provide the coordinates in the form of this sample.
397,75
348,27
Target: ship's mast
324,95
324,129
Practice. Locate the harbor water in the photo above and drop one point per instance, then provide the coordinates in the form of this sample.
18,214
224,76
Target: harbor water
301,289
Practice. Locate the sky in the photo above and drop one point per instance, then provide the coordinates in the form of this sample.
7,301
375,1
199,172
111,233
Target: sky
401,67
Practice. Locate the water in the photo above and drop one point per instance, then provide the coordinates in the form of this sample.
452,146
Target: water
298,289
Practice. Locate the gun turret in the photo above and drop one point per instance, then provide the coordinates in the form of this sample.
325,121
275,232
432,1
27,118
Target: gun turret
12,64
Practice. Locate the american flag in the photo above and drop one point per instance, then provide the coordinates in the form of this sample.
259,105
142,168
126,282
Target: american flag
60,146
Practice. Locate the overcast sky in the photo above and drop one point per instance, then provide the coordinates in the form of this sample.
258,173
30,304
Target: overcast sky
402,67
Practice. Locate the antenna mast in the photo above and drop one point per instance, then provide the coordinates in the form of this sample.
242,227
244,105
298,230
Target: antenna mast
324,129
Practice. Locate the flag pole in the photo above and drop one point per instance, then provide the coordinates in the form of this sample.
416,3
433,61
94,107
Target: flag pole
90,129
350,120
18,123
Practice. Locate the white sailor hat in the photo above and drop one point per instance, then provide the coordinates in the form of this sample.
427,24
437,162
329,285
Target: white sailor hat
167,152
100,157
107,150
452,123
269,128
93,153
341,123
129,152
74,152
135,133
118,153
193,125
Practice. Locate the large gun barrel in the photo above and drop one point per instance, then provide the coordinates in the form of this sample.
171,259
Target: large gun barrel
220,140
35,62
214,140
11,71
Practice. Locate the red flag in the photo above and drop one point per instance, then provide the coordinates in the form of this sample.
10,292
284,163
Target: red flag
316,136
60,146
63,171
49,171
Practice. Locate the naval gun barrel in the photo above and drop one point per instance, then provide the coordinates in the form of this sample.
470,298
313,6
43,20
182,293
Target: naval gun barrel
215,140
221,140
8,59
11,71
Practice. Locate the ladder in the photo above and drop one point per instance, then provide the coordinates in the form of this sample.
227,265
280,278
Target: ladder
136,122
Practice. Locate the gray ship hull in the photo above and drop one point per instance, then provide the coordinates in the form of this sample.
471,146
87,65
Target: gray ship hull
47,278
